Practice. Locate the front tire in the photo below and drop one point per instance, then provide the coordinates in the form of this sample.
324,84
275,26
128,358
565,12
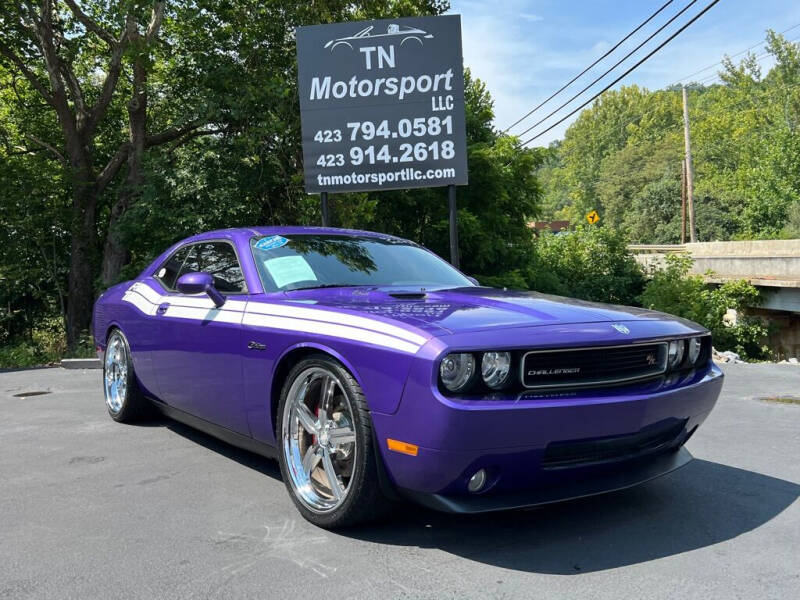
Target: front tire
326,451
124,400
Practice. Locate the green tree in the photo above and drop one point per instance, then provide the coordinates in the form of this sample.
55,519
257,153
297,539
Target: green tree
630,115
73,57
110,92
591,263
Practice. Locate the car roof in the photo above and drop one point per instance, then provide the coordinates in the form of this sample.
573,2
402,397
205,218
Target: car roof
243,234
248,232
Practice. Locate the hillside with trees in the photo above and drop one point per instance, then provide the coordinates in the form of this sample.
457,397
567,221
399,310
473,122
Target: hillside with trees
622,157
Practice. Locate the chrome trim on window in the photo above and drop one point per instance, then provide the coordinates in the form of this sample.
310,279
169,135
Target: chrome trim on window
231,243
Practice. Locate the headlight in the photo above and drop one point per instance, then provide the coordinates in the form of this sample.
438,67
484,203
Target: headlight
676,348
694,350
456,371
495,367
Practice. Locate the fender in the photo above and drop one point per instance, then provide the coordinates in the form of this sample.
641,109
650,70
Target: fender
322,348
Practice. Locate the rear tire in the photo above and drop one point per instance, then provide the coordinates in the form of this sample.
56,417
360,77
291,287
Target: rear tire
325,445
124,400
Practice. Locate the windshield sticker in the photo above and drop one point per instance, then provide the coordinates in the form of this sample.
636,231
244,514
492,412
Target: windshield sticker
286,270
271,243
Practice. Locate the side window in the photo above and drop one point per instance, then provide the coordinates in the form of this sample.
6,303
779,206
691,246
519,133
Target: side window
219,260
167,274
192,262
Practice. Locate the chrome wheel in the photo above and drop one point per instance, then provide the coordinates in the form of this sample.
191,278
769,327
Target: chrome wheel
319,439
115,373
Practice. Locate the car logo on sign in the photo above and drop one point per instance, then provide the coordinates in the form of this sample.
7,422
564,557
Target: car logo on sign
621,328
405,32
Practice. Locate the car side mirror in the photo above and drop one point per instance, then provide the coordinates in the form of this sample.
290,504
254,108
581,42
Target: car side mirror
198,283
473,280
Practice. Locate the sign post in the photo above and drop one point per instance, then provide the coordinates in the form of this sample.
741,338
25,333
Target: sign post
382,107
451,200
323,198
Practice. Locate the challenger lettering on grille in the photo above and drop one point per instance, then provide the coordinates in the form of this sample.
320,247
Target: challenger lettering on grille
561,371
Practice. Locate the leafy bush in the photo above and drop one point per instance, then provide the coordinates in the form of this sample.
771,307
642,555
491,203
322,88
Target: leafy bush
46,344
49,338
19,355
673,290
591,263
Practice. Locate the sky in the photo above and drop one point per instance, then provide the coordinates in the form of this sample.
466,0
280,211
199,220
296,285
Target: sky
524,50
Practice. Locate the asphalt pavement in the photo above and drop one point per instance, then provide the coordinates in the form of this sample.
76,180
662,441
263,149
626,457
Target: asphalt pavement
93,509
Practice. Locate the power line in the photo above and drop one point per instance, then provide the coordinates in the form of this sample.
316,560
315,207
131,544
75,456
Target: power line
759,58
571,81
709,80
618,79
640,116
620,61
677,124
731,56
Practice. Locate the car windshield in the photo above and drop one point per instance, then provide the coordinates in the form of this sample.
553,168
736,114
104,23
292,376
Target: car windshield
299,262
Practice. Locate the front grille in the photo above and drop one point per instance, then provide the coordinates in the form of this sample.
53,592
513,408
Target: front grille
584,452
603,365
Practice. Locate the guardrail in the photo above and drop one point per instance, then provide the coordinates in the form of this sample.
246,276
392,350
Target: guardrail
766,263
657,248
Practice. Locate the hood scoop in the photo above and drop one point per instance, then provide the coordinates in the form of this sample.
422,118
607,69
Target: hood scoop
409,295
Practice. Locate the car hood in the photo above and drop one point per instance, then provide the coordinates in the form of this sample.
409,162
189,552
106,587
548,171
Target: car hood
470,308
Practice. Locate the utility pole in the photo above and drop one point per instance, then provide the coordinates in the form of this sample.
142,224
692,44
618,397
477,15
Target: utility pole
683,201
689,177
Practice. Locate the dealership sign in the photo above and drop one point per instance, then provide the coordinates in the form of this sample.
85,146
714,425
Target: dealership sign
382,104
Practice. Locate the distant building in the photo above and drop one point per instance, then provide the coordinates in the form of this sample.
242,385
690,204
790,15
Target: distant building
554,226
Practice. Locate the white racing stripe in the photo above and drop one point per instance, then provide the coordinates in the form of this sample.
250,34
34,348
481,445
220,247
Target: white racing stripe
276,316
204,314
145,290
198,301
140,302
329,329
327,316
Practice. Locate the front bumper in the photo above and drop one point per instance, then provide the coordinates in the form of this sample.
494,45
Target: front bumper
601,482
512,439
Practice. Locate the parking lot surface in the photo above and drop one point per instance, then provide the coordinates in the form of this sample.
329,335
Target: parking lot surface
93,509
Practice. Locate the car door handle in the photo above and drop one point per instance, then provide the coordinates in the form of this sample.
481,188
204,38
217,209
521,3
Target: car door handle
162,308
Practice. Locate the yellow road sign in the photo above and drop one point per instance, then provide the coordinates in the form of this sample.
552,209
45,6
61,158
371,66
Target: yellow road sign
593,217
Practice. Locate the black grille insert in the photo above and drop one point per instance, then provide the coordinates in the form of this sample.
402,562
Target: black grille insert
577,367
583,452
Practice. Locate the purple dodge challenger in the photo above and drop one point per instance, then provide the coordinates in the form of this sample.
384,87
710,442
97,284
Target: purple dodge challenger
374,370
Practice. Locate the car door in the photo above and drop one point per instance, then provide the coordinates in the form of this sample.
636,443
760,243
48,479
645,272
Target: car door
144,329
198,363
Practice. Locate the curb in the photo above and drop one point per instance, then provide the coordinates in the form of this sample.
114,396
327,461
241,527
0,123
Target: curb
81,363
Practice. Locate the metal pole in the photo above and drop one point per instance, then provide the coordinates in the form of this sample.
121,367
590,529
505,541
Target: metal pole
451,195
683,201
689,176
323,197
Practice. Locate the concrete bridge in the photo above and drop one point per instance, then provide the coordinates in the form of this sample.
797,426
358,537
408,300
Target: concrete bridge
771,265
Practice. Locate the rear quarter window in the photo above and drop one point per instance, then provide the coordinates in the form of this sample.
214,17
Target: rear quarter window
168,272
